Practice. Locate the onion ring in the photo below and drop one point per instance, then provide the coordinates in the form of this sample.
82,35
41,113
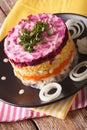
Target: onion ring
75,76
44,92
82,45
77,26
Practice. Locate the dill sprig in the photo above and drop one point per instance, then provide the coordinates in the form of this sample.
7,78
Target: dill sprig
33,37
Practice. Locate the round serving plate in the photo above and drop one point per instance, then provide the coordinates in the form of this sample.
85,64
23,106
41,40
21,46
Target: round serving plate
12,91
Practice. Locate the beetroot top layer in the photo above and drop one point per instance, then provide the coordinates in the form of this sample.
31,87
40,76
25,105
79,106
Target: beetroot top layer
50,47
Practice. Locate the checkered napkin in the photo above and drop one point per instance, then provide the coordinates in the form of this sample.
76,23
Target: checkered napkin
59,109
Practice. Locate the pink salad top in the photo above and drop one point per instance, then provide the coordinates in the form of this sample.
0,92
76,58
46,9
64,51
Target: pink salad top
54,44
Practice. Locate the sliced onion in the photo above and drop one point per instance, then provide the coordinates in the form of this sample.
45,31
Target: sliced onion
75,76
77,26
82,45
44,92
82,51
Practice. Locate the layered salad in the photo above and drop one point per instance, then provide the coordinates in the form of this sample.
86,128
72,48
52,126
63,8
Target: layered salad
40,50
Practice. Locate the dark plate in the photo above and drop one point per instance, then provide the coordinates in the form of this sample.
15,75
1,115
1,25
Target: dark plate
9,88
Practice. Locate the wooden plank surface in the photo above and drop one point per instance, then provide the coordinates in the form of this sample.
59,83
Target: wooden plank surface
20,125
76,120
2,17
7,5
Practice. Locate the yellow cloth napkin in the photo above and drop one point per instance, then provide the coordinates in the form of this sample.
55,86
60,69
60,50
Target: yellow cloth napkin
58,109
21,10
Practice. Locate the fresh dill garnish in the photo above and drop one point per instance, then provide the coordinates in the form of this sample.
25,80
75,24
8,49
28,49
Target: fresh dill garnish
33,37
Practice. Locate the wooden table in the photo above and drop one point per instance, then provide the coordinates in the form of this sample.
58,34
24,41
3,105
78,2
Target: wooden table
76,120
